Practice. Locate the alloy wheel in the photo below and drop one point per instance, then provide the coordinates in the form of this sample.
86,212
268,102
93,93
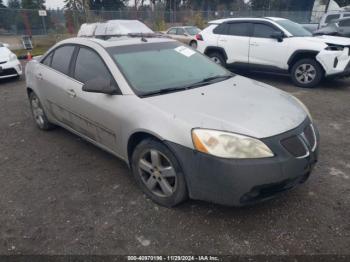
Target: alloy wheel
38,112
305,73
216,60
157,173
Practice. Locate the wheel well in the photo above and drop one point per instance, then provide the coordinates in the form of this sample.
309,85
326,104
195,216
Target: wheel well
301,55
213,49
29,91
136,139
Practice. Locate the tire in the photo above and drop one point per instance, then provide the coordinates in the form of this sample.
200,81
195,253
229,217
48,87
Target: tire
217,58
158,173
193,44
307,73
38,113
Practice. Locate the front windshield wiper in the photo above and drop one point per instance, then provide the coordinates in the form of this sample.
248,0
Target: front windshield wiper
205,81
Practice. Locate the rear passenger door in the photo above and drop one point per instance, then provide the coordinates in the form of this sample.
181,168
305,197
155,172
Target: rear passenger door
234,39
55,83
266,50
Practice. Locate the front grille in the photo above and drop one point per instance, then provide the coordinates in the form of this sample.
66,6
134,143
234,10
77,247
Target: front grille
295,146
301,145
9,71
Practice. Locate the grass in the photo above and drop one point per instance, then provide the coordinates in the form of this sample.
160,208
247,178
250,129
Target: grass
38,50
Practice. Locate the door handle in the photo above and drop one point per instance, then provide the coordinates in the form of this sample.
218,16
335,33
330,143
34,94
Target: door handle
39,76
71,93
223,40
254,44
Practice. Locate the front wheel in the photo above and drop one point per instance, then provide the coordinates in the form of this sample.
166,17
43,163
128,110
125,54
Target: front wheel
307,73
158,173
194,44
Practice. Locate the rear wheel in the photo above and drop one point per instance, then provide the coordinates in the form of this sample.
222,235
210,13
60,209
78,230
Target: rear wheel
38,113
158,173
307,73
193,44
217,58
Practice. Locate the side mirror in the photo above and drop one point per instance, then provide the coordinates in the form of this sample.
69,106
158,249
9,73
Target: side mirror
278,35
101,85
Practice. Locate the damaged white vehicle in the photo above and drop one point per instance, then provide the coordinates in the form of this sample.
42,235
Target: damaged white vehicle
275,45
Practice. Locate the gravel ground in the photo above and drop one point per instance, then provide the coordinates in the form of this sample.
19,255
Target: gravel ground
62,195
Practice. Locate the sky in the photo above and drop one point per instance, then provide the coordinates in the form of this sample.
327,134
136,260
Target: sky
53,4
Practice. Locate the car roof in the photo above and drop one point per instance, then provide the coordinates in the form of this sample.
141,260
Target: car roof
116,41
220,21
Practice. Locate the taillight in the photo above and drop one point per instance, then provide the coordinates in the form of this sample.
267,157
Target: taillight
199,37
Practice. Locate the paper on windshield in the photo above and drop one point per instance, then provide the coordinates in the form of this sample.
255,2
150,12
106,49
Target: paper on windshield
185,51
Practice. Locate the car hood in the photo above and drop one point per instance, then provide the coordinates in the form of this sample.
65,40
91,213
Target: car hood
4,54
327,39
238,105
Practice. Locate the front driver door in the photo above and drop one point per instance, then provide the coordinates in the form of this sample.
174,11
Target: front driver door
94,114
265,50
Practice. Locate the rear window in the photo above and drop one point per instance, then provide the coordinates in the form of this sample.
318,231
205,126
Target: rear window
238,29
220,29
61,58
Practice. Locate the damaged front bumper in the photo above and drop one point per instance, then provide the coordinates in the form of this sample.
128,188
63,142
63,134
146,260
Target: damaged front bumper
335,63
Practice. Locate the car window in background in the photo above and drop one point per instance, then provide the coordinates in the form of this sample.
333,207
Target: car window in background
155,67
346,15
330,18
344,23
172,31
263,31
192,30
221,29
48,59
238,29
89,66
180,31
294,28
61,58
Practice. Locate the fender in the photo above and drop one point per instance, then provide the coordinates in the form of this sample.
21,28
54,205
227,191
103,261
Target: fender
217,49
302,53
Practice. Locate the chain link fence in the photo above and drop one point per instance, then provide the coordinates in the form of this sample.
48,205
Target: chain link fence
59,24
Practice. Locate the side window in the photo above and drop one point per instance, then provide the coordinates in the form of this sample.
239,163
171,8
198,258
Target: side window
263,31
172,31
89,65
238,29
48,59
330,18
345,23
180,31
220,29
61,58
346,15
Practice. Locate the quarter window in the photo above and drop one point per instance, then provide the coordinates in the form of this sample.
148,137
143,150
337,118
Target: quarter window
48,59
238,29
61,58
263,31
172,31
220,29
89,65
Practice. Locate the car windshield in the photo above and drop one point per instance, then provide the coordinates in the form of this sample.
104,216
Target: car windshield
157,68
293,28
192,30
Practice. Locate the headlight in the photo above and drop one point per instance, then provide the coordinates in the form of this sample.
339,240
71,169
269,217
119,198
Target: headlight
229,145
332,47
13,57
304,107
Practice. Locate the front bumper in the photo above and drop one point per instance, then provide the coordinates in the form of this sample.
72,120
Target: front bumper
335,63
10,69
240,182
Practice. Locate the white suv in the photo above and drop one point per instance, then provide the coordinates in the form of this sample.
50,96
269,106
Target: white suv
275,45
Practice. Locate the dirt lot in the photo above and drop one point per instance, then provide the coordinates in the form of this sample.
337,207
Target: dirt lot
61,195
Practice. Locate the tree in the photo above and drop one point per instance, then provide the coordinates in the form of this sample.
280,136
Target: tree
2,5
33,4
14,4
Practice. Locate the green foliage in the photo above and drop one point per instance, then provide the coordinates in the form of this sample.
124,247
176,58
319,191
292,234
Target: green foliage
160,25
15,4
199,21
33,4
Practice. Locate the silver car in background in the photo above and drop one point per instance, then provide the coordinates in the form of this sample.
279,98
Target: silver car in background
186,126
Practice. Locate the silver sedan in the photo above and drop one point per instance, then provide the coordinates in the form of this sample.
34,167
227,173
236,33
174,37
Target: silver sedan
187,127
